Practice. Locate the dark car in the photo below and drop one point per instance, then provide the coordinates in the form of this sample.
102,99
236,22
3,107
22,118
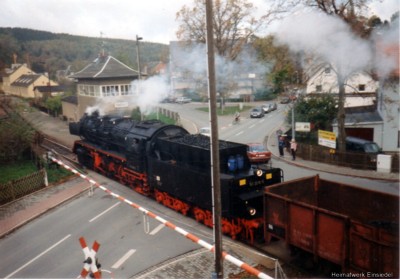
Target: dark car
285,100
257,153
359,145
257,113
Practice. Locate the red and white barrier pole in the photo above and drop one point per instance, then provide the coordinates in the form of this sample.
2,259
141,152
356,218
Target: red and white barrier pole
170,225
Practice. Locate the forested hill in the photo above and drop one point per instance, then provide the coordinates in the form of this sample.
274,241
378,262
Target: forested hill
49,52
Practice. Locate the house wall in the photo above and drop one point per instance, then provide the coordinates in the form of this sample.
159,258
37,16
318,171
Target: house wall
328,83
106,104
28,91
7,80
389,108
70,111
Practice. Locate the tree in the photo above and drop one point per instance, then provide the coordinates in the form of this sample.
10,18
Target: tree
16,136
54,104
284,69
233,23
351,12
320,111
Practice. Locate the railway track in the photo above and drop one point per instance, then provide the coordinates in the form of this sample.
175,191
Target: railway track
59,150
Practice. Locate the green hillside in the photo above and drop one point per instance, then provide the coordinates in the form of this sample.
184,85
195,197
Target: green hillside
49,52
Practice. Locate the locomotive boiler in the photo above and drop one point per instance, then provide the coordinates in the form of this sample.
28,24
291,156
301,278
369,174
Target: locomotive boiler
172,166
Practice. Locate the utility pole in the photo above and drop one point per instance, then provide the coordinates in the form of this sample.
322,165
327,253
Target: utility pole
138,58
139,70
214,148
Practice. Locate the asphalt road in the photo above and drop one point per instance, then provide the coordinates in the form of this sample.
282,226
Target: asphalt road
48,247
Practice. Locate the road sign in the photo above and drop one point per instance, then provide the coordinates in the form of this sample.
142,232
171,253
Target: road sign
326,138
303,127
90,262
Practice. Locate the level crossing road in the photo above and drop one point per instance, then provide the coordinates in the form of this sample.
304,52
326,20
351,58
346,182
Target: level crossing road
130,242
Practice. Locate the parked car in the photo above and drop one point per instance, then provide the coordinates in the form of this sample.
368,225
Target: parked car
257,112
359,145
285,100
205,131
183,100
169,99
269,107
257,153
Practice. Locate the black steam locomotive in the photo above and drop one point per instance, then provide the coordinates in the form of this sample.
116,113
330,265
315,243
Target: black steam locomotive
172,166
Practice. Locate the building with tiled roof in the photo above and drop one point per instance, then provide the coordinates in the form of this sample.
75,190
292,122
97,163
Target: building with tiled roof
11,74
106,83
25,85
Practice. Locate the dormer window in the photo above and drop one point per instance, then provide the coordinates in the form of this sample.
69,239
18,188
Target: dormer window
327,70
318,88
361,87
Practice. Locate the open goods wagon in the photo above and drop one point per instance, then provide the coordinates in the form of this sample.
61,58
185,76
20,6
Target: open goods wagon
354,228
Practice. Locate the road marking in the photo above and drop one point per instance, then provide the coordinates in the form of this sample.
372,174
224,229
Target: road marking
251,126
262,120
123,259
38,256
239,133
157,229
104,212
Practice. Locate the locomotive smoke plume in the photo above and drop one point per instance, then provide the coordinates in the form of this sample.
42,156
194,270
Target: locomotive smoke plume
151,92
191,61
332,40
328,37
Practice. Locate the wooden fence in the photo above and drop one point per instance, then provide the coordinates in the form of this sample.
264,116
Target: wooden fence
347,159
22,186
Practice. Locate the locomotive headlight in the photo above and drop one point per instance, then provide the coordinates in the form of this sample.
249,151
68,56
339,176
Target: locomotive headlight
259,172
252,211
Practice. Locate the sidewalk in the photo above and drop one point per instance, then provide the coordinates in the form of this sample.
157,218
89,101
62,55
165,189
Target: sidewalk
272,145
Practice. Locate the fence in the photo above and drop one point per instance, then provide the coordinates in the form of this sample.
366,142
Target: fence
170,114
22,186
347,159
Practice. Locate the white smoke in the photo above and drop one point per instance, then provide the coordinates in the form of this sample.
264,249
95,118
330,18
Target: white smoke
192,60
387,43
327,37
98,107
151,92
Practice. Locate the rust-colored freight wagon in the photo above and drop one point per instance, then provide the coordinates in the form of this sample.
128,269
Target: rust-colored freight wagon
352,227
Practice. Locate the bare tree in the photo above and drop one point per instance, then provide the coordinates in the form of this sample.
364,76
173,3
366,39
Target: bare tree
234,24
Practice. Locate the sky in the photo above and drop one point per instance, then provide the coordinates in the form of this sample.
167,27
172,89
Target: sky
154,20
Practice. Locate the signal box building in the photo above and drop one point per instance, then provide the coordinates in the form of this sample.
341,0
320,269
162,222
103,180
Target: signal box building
105,84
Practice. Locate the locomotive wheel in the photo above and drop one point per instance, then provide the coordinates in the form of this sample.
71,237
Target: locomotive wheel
159,196
181,207
199,215
229,227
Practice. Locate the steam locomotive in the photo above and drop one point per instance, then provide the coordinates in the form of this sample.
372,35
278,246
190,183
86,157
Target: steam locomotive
172,166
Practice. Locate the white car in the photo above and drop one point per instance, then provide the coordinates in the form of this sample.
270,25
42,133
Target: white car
183,100
205,131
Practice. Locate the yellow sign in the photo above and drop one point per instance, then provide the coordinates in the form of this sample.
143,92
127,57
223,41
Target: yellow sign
326,138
